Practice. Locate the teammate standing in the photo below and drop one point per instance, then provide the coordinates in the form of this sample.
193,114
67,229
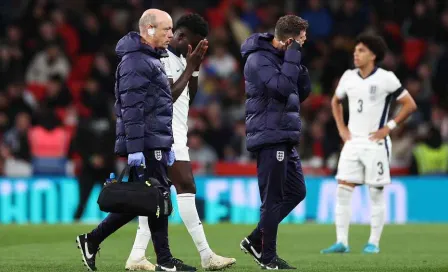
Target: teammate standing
365,156
182,69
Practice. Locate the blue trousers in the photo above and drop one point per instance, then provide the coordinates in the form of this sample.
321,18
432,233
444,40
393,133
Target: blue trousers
282,188
156,167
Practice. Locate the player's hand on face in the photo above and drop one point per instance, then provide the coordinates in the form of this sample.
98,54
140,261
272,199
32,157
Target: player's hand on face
379,134
345,134
194,58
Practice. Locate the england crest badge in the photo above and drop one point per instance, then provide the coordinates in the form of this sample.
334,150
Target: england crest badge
158,154
280,155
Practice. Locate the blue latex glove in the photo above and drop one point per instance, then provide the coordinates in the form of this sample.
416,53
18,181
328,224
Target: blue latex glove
171,158
136,159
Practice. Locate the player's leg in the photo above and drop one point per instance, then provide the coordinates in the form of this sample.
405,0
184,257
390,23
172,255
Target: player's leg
350,173
377,176
181,175
137,259
378,212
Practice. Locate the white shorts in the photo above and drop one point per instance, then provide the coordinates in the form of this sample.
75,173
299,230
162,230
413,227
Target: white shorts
365,162
181,152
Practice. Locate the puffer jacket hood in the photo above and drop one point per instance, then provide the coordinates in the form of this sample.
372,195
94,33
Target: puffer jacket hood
257,42
131,42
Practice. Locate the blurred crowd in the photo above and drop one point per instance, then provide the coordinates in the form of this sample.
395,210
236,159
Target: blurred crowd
57,65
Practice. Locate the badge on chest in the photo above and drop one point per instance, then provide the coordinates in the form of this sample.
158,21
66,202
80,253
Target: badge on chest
372,92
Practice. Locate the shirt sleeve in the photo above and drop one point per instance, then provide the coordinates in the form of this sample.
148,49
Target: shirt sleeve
394,86
341,89
167,67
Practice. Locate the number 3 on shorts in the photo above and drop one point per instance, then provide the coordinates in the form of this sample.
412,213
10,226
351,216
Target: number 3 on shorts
380,168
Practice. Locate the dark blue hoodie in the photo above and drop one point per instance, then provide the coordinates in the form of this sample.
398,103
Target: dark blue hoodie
276,83
144,106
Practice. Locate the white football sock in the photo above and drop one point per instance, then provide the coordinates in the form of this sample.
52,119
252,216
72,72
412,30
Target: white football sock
378,213
343,212
187,210
141,239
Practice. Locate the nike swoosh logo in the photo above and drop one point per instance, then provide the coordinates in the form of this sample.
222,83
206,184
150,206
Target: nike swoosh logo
258,255
168,269
86,248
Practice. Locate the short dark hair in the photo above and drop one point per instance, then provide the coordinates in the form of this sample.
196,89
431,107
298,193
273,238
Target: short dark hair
289,26
195,23
375,43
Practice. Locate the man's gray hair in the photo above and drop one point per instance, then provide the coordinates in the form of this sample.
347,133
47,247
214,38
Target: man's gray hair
147,19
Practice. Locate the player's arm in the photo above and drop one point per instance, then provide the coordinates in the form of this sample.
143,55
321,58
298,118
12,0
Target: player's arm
407,103
194,59
338,110
178,87
408,106
193,86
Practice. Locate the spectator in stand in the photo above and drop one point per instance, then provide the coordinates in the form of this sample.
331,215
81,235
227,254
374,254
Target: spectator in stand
419,24
221,63
18,100
49,144
67,32
439,117
16,139
57,94
236,150
319,18
103,74
431,156
49,62
441,35
48,35
94,141
90,35
4,120
199,151
349,21
218,133
11,65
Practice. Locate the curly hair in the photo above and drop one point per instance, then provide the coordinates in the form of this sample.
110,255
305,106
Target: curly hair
376,44
193,22
289,26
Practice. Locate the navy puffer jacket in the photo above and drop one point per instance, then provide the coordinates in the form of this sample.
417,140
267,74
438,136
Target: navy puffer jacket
144,105
276,84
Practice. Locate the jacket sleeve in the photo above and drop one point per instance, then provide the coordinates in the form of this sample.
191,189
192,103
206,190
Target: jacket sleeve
283,81
304,84
133,83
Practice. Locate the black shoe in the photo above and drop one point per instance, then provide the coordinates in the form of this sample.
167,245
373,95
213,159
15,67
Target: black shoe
277,264
88,251
251,248
175,265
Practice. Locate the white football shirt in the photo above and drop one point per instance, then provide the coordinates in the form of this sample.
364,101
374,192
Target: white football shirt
369,99
174,67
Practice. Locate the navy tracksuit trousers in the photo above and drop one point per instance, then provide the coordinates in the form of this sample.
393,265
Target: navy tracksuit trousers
282,188
156,167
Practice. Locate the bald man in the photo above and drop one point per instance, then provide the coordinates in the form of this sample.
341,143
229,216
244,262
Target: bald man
144,109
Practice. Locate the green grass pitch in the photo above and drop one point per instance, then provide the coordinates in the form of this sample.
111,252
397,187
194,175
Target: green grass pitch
403,248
